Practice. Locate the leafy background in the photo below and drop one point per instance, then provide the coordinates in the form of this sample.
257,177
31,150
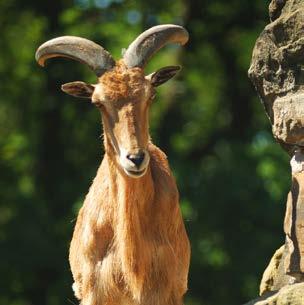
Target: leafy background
233,178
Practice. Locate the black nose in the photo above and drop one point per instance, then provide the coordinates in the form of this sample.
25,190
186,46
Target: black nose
137,159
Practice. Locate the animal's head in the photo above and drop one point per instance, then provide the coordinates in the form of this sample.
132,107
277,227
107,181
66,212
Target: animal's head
123,93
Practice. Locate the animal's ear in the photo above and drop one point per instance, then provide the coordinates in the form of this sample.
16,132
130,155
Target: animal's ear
78,89
162,75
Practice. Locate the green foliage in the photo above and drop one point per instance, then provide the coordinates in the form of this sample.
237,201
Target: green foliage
232,177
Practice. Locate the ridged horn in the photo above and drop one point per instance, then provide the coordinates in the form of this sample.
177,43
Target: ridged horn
81,49
150,41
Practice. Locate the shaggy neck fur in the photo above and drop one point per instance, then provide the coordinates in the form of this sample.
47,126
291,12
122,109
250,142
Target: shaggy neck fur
133,199
129,245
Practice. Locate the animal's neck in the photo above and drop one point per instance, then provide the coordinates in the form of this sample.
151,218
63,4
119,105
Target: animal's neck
124,187
133,219
137,192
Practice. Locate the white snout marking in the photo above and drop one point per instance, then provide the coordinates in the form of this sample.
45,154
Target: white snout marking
130,168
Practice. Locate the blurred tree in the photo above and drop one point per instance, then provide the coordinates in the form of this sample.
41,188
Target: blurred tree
232,177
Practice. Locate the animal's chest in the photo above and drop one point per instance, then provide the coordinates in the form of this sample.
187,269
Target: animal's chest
150,268
134,252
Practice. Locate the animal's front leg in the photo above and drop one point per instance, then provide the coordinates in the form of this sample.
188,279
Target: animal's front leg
93,274
76,257
77,290
175,300
90,299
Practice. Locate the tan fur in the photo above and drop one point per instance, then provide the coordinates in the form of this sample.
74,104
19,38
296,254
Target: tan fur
129,245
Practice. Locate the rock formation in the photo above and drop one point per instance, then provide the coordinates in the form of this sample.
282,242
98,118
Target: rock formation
277,72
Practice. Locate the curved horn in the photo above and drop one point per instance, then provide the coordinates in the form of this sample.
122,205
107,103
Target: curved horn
150,41
81,49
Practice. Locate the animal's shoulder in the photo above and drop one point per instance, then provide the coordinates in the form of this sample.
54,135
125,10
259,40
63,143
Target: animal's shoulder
163,178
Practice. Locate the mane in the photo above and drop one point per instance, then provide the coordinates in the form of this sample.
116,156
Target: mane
121,82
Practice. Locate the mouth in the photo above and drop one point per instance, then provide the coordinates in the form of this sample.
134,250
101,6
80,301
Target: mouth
135,174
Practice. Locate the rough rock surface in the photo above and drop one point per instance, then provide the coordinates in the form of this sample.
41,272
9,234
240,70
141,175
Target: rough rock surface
294,226
288,295
274,276
277,71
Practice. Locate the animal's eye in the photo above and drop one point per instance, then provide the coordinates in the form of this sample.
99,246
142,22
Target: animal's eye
97,103
153,95
98,100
